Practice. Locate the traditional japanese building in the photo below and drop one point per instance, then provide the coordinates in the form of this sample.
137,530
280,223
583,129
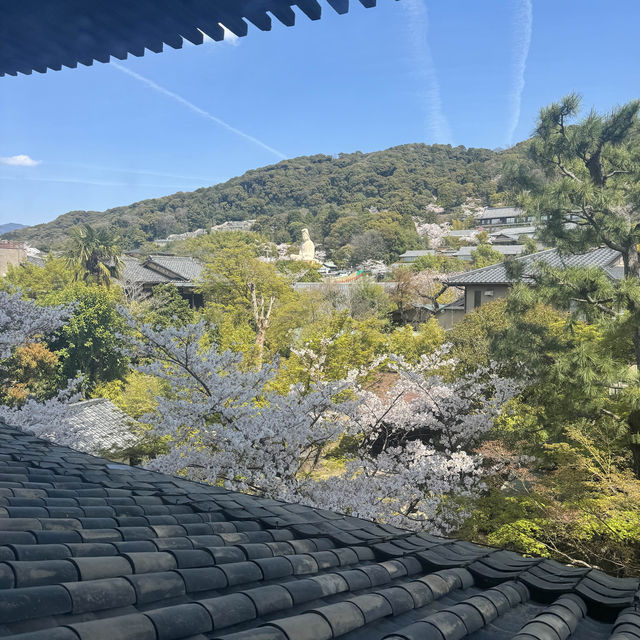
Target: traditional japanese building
493,282
181,271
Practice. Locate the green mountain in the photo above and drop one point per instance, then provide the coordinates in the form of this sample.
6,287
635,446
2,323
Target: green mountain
10,226
337,197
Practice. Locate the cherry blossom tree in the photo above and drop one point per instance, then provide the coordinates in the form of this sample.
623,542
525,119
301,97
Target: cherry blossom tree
48,419
412,444
22,320
410,439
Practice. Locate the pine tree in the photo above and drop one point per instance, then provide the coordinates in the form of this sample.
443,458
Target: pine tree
583,184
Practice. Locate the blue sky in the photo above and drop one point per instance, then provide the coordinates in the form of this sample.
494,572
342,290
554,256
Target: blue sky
467,72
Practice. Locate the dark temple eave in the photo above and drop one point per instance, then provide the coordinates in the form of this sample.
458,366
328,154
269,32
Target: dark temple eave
36,35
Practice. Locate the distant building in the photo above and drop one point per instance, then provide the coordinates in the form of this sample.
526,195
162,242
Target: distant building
411,256
464,253
183,272
179,236
467,235
448,315
234,225
502,217
511,235
11,254
493,282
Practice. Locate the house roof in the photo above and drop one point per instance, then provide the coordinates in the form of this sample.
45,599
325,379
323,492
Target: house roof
504,249
91,550
98,426
37,36
499,212
157,269
497,274
417,253
184,267
513,231
460,233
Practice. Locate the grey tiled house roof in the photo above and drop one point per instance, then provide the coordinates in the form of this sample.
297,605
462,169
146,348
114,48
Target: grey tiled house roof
497,273
99,426
157,269
91,550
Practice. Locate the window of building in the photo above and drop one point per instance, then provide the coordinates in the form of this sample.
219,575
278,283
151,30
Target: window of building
477,299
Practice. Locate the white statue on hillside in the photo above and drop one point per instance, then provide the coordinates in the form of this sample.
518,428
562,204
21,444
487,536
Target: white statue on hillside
307,248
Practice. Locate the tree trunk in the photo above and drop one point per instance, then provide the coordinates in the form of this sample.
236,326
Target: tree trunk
634,440
262,318
632,270
260,335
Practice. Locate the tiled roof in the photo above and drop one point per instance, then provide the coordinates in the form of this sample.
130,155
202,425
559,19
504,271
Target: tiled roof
185,267
460,233
91,550
417,253
497,274
98,426
499,212
40,36
184,270
36,260
514,231
504,249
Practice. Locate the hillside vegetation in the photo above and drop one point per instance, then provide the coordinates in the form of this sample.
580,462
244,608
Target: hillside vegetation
10,226
325,193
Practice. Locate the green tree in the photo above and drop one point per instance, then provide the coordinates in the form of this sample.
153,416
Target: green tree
530,245
298,271
439,263
208,246
368,299
166,307
412,344
35,281
484,256
242,293
32,370
582,180
91,340
94,253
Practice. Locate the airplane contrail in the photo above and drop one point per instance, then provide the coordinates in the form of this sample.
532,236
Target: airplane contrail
523,33
192,107
438,129
143,172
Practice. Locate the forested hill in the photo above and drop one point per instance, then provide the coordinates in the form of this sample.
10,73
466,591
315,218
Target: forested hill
314,191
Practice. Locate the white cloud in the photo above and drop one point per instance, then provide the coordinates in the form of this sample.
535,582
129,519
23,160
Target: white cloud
19,161
522,37
192,107
437,125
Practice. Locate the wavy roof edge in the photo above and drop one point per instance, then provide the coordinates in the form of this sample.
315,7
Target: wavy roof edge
91,550
38,36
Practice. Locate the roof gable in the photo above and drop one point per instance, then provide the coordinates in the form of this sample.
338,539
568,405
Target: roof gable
158,269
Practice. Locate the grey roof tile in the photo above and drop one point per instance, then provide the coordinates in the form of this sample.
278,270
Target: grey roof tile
89,549
496,274
161,269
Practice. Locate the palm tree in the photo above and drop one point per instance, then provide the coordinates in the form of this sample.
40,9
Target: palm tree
94,253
